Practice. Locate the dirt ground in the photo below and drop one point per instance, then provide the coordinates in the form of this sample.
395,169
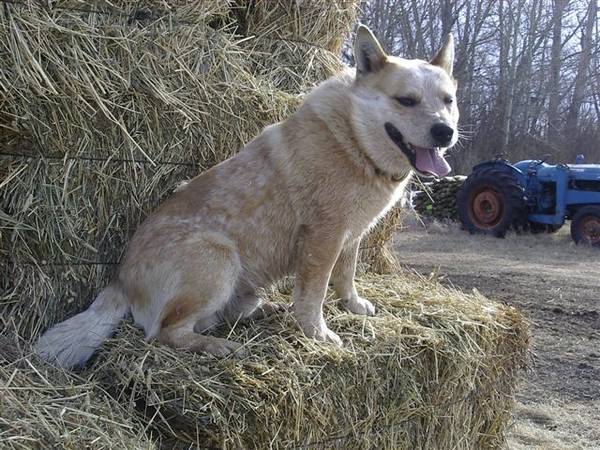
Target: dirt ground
557,286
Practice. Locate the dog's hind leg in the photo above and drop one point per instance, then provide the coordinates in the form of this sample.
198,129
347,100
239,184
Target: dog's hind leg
187,321
181,335
205,291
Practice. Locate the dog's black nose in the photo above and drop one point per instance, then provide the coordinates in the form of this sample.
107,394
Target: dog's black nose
442,133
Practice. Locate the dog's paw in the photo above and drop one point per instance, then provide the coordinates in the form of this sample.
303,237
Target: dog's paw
331,337
222,347
359,305
321,332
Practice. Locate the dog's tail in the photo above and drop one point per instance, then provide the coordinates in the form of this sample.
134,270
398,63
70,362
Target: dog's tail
72,342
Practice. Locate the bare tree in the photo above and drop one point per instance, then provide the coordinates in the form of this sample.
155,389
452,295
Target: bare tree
553,90
583,67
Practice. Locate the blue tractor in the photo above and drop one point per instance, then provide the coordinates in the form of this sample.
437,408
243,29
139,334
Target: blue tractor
532,196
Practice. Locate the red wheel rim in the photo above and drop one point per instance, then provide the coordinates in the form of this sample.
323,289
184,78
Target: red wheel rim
487,208
590,229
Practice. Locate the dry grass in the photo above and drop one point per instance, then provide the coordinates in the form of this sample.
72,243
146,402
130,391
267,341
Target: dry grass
556,427
435,368
42,407
321,24
555,284
518,248
375,252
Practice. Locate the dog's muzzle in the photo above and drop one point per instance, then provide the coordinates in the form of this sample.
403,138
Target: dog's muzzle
426,161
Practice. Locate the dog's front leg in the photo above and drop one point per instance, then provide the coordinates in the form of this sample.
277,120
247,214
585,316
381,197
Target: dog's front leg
317,253
343,280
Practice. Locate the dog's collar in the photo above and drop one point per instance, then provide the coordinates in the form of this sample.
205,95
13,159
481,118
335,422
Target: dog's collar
395,177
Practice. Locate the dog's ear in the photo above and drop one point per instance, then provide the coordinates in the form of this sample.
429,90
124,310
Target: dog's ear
368,54
444,58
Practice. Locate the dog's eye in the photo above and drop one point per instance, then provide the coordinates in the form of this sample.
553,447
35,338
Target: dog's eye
448,100
406,101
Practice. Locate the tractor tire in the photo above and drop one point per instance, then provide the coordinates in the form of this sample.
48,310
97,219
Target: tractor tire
491,201
585,226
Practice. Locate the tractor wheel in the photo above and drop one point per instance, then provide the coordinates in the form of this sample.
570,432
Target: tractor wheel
585,226
491,201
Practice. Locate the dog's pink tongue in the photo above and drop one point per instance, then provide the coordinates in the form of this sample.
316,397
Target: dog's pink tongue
429,160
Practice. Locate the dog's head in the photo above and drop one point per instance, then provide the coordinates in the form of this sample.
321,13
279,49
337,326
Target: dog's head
405,110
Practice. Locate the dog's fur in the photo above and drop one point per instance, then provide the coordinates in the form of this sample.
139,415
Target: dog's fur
295,200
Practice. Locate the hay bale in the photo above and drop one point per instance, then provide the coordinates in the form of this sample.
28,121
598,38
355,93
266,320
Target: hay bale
293,67
113,112
296,44
322,24
42,407
434,369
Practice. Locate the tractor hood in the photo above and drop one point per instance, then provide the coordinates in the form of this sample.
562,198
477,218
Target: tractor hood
576,171
585,171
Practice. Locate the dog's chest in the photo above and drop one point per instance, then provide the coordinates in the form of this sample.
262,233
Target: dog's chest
372,204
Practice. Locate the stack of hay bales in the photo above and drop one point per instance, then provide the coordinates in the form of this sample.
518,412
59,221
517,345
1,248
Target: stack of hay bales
106,106
115,107
437,200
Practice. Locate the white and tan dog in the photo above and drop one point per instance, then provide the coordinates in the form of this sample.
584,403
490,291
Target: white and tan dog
296,200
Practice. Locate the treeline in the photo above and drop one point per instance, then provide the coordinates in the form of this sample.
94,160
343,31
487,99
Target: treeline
528,71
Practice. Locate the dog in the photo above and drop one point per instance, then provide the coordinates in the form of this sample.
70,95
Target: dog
296,200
